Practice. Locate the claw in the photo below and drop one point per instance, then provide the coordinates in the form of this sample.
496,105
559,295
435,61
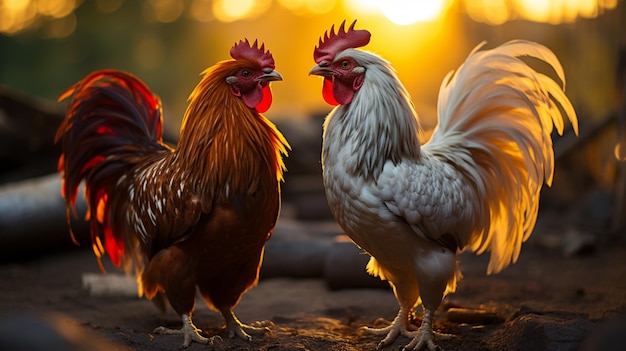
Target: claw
391,332
243,331
423,338
190,333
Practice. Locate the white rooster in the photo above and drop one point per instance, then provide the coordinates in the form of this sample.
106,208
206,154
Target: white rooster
475,185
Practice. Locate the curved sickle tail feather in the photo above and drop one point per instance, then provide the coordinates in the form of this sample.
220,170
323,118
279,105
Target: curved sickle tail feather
112,120
498,114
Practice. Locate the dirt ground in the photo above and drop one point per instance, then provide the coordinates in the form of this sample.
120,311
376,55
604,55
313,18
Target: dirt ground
547,301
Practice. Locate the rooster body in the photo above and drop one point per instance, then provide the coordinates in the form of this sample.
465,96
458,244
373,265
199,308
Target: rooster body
475,185
189,219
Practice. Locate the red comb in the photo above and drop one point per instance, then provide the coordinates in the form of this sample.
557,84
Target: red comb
243,50
335,43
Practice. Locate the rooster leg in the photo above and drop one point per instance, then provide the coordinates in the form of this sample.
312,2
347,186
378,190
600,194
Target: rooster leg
399,326
243,331
407,293
424,335
190,332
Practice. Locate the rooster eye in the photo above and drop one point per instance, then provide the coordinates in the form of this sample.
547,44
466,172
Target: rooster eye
345,64
245,73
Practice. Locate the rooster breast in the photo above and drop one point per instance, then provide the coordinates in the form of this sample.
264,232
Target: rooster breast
413,208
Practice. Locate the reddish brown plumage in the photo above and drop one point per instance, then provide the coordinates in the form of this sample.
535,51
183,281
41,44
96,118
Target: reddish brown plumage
198,215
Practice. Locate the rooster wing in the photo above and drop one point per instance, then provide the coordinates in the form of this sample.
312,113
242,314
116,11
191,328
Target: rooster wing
157,207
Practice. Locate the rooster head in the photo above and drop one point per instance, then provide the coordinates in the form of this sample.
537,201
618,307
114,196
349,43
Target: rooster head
343,76
251,81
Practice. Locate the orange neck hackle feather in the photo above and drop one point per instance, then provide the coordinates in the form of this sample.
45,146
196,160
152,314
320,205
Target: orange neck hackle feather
220,134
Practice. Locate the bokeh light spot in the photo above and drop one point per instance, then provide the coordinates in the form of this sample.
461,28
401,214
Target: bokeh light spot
234,10
406,12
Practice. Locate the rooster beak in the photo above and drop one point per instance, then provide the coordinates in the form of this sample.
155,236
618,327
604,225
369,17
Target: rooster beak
270,76
322,70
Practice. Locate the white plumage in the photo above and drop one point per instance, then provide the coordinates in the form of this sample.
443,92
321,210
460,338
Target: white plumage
475,185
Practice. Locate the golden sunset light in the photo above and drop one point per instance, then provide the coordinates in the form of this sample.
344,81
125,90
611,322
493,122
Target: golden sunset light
317,167
402,12
496,12
21,15
423,39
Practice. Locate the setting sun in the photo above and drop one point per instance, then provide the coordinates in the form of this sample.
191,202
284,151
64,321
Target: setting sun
405,12
402,12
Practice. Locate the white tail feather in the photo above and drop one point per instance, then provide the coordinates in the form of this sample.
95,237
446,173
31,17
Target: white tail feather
496,115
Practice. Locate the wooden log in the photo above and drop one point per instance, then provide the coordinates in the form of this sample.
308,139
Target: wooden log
345,268
27,136
295,259
33,220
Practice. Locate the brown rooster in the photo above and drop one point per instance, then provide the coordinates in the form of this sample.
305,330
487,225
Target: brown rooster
194,217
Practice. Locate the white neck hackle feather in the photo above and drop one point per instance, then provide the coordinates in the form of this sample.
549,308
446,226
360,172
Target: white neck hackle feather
382,126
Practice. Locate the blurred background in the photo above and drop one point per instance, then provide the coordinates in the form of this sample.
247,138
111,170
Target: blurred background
47,45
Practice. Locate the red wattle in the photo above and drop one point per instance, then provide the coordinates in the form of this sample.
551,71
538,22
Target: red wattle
327,92
266,101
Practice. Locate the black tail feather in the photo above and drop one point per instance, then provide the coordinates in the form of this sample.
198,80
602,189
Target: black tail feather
113,120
